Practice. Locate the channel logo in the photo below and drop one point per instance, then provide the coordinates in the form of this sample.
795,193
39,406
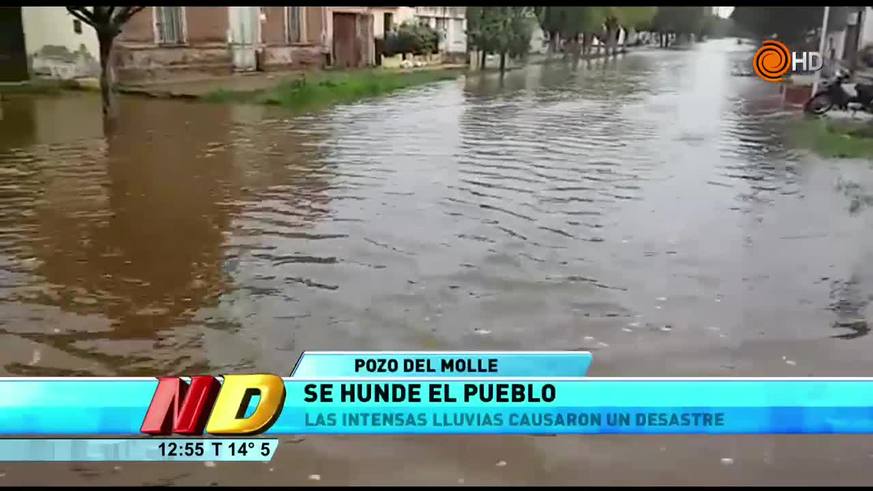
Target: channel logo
774,60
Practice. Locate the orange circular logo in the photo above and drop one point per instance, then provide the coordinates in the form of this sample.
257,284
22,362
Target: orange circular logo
772,61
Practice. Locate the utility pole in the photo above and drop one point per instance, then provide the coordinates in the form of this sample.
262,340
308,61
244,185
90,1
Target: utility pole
821,46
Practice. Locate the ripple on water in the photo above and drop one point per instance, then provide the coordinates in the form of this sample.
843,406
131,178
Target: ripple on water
296,231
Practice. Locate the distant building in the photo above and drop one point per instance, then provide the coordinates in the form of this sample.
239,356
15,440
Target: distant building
451,22
169,41
848,30
538,41
386,19
45,42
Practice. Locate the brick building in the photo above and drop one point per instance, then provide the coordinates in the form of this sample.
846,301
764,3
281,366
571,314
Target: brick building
164,42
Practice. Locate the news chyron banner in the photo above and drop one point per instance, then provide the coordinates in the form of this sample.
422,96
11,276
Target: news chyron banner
240,416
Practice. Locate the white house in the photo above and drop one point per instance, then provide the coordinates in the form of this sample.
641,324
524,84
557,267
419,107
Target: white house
58,45
451,22
849,30
538,42
45,42
386,19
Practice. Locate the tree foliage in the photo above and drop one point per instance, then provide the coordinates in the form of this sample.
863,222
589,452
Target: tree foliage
570,22
717,27
418,39
106,21
679,20
639,18
503,30
787,23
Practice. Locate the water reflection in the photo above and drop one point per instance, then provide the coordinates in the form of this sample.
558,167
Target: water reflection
132,228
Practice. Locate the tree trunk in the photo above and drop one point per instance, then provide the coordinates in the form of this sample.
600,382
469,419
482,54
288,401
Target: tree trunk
106,75
502,62
611,40
576,49
553,43
587,38
482,59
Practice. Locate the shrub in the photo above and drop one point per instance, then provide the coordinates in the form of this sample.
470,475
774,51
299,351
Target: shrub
418,39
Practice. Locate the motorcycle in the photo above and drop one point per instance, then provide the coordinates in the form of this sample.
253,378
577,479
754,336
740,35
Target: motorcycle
832,94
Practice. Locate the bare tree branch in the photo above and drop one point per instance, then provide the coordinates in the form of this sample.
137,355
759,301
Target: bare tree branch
125,15
82,14
100,14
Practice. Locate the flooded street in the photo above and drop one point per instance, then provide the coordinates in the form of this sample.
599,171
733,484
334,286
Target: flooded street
646,209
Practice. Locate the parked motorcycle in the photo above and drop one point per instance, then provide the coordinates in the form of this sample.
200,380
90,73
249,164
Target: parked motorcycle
832,95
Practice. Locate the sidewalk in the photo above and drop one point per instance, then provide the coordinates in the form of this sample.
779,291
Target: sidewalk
198,87
238,82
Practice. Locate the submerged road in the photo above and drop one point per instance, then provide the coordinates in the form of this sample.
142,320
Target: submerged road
646,209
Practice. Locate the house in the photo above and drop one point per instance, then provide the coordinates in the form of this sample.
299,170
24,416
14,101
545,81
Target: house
350,36
849,29
386,19
169,41
539,42
45,42
451,22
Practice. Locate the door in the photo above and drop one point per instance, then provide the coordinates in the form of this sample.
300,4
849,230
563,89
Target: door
13,58
365,46
245,34
345,49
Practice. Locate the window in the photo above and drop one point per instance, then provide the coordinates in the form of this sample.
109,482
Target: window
168,25
458,31
388,22
77,26
442,24
294,21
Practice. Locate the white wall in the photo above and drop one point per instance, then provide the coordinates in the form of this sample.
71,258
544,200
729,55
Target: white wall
866,28
455,40
54,49
456,37
834,41
401,15
538,41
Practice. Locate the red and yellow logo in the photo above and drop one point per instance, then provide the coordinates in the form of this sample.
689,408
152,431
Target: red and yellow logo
772,61
179,407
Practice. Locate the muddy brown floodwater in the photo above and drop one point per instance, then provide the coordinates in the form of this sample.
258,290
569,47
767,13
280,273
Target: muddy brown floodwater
644,208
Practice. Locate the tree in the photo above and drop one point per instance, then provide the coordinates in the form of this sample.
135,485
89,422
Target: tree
550,22
569,23
522,27
475,34
610,19
107,23
503,30
636,18
717,27
790,24
677,20
418,39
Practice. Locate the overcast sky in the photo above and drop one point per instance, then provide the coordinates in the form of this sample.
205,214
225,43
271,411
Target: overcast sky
725,11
